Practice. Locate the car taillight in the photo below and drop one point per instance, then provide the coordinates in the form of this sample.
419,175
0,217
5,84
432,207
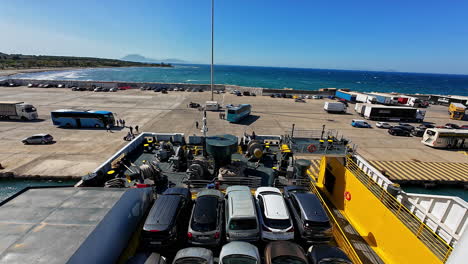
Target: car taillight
189,235
265,228
216,235
290,229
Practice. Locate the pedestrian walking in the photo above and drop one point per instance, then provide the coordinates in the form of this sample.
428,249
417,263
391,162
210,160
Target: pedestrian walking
131,130
123,123
108,128
196,124
136,129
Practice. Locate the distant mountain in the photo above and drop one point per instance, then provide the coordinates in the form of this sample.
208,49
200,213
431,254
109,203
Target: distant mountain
140,58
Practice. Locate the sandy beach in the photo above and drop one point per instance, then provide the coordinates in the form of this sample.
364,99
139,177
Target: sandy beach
17,71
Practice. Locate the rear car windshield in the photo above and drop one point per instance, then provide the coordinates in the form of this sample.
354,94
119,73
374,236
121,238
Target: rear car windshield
288,260
239,259
243,224
191,261
205,214
277,223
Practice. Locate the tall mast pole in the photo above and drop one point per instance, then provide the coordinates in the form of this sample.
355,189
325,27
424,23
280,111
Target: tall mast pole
212,46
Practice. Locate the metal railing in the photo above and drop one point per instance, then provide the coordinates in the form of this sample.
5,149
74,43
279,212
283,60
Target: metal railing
425,234
338,233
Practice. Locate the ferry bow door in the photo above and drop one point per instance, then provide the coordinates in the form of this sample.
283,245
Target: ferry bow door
332,180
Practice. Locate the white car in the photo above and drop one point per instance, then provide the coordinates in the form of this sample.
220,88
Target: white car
239,252
383,125
276,224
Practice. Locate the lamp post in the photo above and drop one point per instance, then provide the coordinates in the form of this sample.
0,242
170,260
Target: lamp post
212,46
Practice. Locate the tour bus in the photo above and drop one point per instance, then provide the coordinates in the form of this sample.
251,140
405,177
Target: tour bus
236,113
446,138
80,118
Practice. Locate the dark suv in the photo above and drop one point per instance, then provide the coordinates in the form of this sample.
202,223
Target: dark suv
311,220
166,223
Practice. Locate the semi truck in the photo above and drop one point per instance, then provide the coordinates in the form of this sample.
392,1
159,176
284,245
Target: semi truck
361,97
394,113
345,95
17,110
457,111
332,107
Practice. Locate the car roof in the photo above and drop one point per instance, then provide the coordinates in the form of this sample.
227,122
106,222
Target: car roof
261,190
162,213
239,248
241,204
275,208
237,188
311,207
177,191
197,252
40,135
206,208
326,251
284,248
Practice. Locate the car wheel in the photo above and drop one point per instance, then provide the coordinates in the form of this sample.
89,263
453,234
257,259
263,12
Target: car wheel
97,126
24,118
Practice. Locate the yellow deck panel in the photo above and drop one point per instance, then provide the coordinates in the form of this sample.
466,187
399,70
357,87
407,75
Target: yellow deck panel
423,171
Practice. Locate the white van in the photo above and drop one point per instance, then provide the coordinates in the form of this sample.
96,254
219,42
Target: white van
241,215
212,106
332,107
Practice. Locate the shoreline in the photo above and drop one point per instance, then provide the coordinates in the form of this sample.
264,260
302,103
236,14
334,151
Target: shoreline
4,73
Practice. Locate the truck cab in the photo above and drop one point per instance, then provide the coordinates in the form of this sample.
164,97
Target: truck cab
457,111
17,110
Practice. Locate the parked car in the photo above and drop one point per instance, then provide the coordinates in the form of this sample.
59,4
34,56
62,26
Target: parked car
206,222
427,125
246,93
280,252
451,126
311,221
317,97
166,223
360,123
383,125
88,89
147,258
164,91
38,139
182,192
194,255
343,101
418,131
113,90
105,89
239,252
322,254
60,85
399,131
464,127
299,100
273,213
405,126
99,89
241,215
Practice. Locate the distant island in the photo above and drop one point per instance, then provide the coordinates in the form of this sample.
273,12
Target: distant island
140,58
20,61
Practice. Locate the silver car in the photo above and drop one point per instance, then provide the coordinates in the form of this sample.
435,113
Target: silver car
205,224
239,252
194,255
38,139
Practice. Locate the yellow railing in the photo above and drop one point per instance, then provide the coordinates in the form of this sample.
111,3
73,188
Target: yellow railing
338,233
433,241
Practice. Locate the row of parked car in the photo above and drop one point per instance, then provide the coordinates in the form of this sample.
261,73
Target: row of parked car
404,129
213,217
284,95
239,252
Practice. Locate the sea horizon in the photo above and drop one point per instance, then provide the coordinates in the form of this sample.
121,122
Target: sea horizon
272,77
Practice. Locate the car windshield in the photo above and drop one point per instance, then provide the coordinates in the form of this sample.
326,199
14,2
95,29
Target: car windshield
30,109
334,261
242,224
191,260
287,260
239,259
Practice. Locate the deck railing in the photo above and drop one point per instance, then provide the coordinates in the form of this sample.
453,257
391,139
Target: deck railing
425,234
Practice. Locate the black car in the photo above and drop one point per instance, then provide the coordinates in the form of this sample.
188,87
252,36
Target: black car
246,93
182,192
405,126
311,220
399,131
418,131
452,126
166,223
327,254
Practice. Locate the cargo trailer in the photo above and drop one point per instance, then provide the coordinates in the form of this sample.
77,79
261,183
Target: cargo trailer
394,113
346,96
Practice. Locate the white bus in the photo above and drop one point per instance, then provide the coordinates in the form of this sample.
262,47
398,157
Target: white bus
446,138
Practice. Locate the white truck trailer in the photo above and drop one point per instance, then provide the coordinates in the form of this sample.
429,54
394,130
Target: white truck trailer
17,110
393,113
332,107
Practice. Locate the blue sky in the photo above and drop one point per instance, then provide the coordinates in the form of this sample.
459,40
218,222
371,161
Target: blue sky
401,35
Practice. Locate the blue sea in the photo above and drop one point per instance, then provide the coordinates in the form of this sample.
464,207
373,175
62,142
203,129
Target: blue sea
9,187
274,77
